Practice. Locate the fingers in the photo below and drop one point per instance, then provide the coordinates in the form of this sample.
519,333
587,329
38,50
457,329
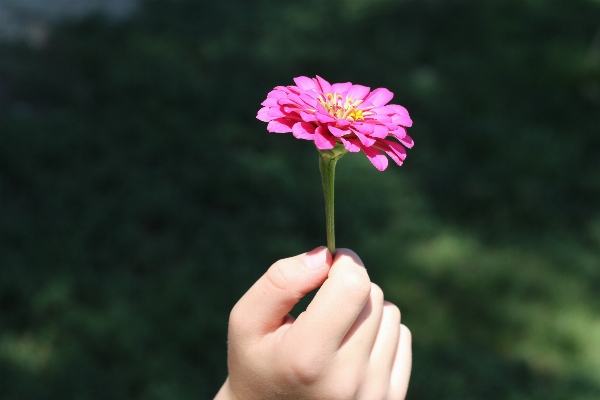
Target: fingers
388,369
385,348
360,338
382,355
266,304
335,307
402,366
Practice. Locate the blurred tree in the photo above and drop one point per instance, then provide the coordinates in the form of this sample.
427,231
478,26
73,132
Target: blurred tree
139,197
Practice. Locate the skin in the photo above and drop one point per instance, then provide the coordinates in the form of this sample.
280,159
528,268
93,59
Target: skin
348,344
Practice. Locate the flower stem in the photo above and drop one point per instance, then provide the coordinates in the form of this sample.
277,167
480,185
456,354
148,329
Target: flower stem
327,161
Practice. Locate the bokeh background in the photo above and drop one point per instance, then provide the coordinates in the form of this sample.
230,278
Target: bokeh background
140,197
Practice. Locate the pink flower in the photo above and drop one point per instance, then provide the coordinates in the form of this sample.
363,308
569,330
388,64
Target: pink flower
352,115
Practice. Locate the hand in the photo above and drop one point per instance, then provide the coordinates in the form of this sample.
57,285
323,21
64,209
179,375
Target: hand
348,344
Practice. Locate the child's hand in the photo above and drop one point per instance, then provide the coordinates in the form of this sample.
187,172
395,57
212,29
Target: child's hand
348,344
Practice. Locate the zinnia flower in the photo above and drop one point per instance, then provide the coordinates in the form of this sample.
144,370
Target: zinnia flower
353,115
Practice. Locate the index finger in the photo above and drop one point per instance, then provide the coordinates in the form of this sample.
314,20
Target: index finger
335,307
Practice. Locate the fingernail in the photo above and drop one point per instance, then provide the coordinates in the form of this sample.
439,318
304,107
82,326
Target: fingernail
316,258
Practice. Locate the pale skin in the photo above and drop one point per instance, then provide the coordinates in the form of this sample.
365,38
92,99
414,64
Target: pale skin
348,344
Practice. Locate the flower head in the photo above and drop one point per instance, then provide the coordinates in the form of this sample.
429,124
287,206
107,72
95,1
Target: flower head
353,115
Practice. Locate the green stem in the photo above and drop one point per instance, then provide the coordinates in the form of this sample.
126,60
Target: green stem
327,161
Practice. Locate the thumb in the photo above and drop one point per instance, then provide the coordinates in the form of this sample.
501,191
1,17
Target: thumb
266,304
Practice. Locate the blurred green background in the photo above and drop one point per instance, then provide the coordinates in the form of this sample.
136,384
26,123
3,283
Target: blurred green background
140,197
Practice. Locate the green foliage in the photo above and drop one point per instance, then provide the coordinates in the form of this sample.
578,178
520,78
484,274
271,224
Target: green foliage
139,197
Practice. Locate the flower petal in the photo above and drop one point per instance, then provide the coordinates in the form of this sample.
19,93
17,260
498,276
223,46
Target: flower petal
407,141
358,92
322,115
399,133
280,125
377,159
341,87
309,100
338,132
382,110
365,140
324,85
285,101
396,148
342,123
263,115
365,129
403,120
392,155
305,83
270,102
303,130
275,112
289,109
379,97
324,118
398,109
380,131
352,145
323,139
384,119
276,94
291,99
307,117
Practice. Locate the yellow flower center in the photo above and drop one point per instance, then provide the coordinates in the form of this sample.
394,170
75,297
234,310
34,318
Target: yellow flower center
332,102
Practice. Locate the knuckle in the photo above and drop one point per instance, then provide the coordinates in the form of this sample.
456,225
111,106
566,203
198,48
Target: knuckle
379,391
237,320
357,281
347,253
345,391
392,312
345,387
305,369
405,332
376,293
279,279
